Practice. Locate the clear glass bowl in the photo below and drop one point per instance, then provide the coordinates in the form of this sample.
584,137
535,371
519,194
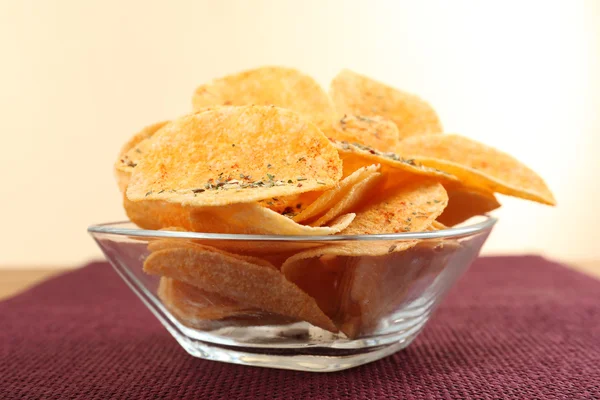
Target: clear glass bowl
380,303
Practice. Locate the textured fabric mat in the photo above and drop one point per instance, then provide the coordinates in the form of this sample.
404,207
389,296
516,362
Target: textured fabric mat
513,327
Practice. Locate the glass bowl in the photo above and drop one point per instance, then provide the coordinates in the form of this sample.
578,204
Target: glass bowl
330,309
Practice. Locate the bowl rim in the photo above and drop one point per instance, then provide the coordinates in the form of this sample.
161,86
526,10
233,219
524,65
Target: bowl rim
467,230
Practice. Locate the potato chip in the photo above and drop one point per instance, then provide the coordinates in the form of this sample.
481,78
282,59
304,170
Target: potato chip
464,203
478,166
162,244
328,202
127,156
396,168
209,159
356,292
411,208
353,93
246,218
438,226
291,205
261,252
354,197
249,284
193,305
377,132
376,287
319,275
253,219
157,214
135,148
278,86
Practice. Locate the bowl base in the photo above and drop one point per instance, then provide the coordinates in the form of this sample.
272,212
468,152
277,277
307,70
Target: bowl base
311,357
327,361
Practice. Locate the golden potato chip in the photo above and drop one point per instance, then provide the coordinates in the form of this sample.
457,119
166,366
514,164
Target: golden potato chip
157,214
329,199
319,275
464,203
478,166
245,218
291,205
278,86
396,168
268,250
249,284
252,218
356,292
377,132
261,252
162,244
438,226
127,156
353,93
193,305
354,197
411,208
376,287
210,158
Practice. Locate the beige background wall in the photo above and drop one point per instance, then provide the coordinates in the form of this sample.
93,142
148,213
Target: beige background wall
77,78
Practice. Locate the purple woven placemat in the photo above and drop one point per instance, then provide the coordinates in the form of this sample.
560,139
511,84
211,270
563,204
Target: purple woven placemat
513,327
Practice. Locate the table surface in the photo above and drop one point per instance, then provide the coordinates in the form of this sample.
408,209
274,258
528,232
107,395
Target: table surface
13,280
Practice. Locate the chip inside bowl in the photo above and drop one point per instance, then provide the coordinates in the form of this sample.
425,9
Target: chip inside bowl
357,290
164,244
249,284
194,306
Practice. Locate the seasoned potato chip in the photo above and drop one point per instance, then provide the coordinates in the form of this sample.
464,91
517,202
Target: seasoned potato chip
270,254
247,283
209,159
396,168
464,203
355,196
478,166
291,205
377,132
353,93
162,244
245,218
127,156
133,151
193,305
157,214
251,218
411,208
331,202
278,86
